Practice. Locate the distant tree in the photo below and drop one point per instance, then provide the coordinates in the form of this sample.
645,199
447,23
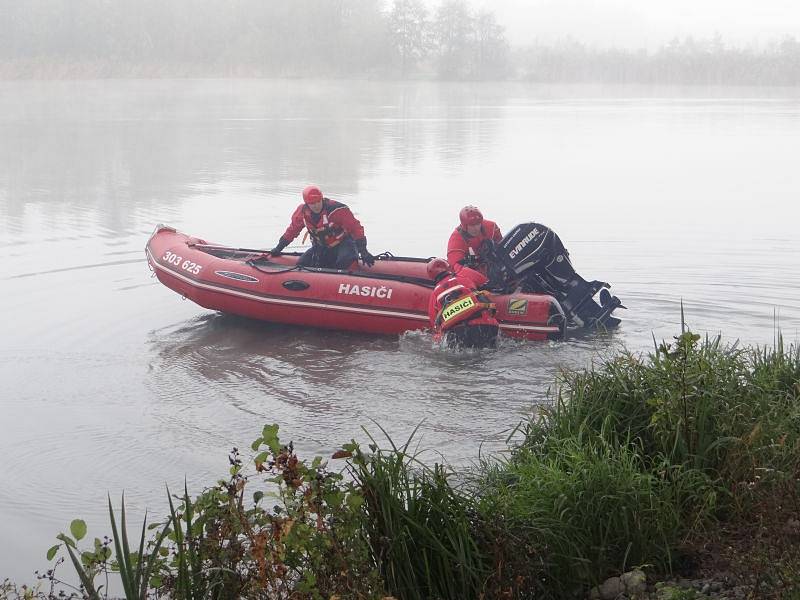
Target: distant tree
453,36
408,33
491,48
363,39
788,61
11,28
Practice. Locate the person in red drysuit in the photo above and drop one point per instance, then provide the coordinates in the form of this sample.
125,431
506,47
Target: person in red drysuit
467,242
457,310
337,237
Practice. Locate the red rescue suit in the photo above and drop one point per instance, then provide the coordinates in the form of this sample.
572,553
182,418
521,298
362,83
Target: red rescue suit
456,301
327,227
462,245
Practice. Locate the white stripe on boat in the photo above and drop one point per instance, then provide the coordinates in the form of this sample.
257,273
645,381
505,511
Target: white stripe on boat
545,328
241,294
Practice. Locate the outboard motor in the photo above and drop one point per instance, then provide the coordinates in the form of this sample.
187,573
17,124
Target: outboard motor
532,257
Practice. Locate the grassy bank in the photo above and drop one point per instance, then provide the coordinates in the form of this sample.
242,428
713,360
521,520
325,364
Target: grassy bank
640,461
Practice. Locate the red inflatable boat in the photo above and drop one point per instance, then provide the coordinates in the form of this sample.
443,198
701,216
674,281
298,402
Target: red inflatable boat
389,298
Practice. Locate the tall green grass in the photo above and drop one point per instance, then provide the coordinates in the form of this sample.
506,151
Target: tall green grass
641,453
579,511
421,527
726,411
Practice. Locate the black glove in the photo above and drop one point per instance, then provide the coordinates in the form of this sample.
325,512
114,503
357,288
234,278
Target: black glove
364,254
487,249
282,243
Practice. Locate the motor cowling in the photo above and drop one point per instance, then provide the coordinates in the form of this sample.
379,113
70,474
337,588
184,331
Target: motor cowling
532,258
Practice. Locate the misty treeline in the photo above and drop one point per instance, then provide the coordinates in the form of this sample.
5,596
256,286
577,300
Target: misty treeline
255,37
342,38
681,61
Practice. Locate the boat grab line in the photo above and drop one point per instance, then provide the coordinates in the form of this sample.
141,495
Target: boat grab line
416,316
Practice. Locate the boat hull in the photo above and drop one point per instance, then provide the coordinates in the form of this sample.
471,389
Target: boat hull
391,298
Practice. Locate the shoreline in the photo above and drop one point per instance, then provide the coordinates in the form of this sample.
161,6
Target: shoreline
685,461
47,69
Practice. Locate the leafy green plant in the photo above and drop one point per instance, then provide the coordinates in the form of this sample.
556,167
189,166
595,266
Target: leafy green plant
309,544
135,567
312,542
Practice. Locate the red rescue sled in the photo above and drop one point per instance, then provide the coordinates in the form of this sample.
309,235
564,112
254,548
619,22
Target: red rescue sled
389,298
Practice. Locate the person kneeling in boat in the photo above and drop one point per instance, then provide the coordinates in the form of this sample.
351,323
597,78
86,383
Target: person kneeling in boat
337,237
458,311
473,240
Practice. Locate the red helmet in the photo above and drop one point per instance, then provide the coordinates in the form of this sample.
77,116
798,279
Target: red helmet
437,266
470,215
312,195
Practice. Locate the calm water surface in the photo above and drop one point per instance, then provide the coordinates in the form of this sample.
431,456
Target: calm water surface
111,382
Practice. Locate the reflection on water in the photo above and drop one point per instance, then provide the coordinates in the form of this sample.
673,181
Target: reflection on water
103,153
321,387
319,378
111,382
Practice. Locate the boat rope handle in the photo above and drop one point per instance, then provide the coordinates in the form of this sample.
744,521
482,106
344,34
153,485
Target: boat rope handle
257,268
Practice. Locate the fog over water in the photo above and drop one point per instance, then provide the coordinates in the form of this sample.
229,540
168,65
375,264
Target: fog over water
644,23
211,118
682,42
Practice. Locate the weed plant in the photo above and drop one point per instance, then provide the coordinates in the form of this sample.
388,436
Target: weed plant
223,544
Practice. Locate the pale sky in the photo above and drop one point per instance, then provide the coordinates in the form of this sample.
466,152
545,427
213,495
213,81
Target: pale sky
644,23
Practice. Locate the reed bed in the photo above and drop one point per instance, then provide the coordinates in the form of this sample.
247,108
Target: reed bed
421,527
642,453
